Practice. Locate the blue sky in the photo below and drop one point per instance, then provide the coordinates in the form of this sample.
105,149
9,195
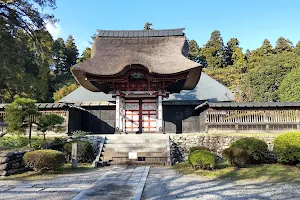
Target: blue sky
250,21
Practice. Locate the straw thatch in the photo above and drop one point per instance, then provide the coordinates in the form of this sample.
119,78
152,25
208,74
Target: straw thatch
113,56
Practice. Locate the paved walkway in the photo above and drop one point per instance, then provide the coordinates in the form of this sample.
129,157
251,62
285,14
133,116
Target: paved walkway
117,182
167,184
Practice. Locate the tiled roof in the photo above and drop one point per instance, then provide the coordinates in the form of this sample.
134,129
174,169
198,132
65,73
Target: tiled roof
43,105
253,104
141,33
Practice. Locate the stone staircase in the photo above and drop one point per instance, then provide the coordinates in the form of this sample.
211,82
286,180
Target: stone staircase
148,148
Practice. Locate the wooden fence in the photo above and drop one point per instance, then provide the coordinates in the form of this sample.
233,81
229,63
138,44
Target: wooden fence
61,113
255,120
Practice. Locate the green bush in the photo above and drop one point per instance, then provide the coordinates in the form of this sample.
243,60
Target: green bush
256,148
202,159
236,156
85,152
198,148
287,148
57,144
41,160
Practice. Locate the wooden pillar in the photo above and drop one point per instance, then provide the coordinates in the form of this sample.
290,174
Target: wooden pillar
160,114
117,113
121,114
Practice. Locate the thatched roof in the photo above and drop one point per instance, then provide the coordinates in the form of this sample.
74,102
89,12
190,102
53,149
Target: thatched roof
160,51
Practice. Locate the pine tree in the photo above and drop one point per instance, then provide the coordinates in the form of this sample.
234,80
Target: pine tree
213,51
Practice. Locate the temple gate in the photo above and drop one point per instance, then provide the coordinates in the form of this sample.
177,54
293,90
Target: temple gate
139,68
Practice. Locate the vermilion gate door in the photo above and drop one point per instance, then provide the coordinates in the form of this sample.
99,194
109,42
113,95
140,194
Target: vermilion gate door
149,116
141,115
132,119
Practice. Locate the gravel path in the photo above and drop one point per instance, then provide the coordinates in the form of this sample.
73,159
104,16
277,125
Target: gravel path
168,184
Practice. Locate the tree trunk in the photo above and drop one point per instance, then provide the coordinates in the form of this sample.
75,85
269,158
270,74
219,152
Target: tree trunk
44,137
29,136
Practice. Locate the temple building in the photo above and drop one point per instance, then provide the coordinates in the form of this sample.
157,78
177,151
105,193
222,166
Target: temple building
137,71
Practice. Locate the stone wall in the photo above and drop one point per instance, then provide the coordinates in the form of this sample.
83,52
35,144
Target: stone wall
12,163
181,144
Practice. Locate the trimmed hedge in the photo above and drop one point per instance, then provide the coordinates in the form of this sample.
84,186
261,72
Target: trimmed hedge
256,148
41,160
85,151
287,148
202,159
236,156
198,148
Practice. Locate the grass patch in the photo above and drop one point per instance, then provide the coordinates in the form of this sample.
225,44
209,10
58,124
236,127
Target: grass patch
267,172
66,169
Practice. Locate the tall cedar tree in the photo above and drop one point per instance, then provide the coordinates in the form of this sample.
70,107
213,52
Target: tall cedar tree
232,44
193,51
71,52
213,51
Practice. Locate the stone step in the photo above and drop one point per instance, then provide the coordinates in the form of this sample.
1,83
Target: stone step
137,137
145,149
107,156
136,145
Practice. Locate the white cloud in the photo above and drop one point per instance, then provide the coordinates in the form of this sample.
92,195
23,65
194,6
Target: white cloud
54,29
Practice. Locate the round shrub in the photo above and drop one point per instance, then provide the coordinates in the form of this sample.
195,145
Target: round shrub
57,144
287,148
256,148
85,152
202,159
236,156
198,148
40,160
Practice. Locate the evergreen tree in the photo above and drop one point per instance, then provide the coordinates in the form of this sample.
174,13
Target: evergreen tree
71,52
232,44
290,86
213,51
193,51
283,44
59,57
260,54
297,49
247,55
85,55
266,49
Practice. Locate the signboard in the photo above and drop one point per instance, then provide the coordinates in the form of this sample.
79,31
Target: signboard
132,155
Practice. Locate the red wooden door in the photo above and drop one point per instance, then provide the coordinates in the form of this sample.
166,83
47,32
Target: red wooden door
140,115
